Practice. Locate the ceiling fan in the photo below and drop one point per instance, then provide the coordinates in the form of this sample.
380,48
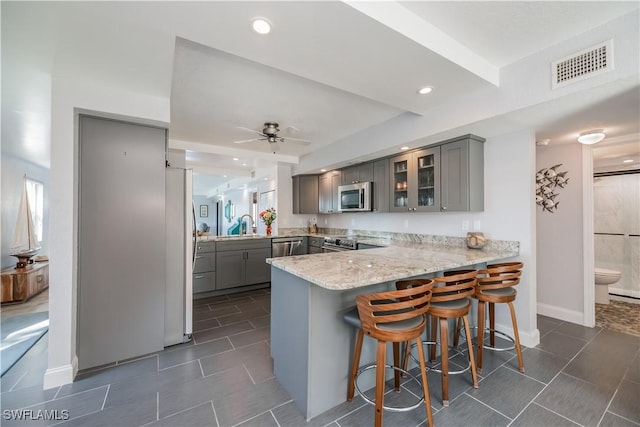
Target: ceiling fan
270,134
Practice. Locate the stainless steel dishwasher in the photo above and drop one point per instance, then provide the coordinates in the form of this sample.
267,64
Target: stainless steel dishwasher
288,246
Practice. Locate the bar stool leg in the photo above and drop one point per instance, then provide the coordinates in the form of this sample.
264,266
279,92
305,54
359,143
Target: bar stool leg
492,324
434,337
444,357
516,336
355,366
380,376
425,382
467,331
480,337
396,373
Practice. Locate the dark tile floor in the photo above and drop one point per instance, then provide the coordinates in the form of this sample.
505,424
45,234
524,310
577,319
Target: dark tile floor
576,376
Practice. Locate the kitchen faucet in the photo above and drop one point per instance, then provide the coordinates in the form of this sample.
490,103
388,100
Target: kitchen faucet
253,223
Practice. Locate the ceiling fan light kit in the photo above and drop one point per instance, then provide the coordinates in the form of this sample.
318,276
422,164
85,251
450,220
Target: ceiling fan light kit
591,137
270,134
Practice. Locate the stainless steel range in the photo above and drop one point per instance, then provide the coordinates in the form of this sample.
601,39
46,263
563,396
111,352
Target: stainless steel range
339,244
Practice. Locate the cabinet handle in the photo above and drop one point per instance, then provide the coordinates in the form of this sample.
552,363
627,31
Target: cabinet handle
444,208
199,276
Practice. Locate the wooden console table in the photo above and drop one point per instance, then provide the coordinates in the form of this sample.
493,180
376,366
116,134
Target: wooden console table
20,284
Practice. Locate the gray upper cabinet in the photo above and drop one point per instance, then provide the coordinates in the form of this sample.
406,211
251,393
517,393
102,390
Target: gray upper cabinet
305,194
328,183
415,181
462,174
359,173
448,177
381,185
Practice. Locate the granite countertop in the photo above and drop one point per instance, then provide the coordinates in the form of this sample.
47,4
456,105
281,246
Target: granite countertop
397,260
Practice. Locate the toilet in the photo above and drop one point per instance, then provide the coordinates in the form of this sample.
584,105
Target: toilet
604,278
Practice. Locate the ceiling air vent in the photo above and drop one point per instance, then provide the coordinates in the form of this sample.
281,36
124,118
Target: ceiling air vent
582,65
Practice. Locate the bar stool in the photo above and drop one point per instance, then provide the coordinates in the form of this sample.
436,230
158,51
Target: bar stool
450,300
393,316
495,286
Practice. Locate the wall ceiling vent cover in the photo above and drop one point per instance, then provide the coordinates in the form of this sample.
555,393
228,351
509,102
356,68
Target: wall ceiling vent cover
590,62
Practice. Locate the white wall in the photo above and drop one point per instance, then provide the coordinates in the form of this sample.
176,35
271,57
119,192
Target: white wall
509,214
69,96
560,239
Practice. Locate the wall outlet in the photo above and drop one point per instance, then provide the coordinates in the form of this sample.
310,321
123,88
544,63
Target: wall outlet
477,225
353,221
465,225
325,221
406,224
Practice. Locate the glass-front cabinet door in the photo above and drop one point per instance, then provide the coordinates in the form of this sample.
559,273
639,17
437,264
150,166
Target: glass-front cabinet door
427,163
400,183
415,181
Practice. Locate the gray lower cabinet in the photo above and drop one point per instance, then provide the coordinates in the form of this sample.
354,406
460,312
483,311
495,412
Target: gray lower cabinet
242,263
204,270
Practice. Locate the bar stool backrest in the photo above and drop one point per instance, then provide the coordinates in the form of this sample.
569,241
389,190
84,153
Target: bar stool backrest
454,285
499,276
377,309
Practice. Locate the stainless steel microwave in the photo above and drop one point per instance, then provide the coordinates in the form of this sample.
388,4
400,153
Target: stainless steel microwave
355,197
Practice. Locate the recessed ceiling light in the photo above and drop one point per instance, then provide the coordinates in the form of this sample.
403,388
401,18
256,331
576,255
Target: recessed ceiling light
591,137
236,159
627,161
244,164
425,90
261,26
543,142
323,170
404,148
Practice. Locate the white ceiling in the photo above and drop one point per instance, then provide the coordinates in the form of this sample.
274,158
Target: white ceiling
328,71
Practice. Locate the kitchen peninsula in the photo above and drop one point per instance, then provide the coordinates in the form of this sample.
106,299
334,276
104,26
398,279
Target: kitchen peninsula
310,343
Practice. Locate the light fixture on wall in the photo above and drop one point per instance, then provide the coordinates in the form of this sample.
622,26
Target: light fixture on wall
591,137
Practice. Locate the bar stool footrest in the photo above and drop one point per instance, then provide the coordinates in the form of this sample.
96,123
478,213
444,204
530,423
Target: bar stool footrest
505,336
389,408
428,343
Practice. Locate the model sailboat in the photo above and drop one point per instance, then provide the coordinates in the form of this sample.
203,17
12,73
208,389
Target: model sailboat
25,244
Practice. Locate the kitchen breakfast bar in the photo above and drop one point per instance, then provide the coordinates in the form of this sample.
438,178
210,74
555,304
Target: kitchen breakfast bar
311,345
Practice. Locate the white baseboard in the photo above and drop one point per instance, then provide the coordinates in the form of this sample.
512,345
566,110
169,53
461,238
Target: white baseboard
527,338
560,313
61,375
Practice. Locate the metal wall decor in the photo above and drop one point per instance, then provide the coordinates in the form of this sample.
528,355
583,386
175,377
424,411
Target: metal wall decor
548,180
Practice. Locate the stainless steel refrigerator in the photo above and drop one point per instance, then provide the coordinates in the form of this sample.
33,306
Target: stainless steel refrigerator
178,319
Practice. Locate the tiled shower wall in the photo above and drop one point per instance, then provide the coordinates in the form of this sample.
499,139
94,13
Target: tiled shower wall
617,229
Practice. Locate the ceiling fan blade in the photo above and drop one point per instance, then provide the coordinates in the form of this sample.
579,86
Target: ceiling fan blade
249,140
251,130
298,141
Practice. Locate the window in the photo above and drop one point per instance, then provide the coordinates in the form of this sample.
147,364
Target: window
35,195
